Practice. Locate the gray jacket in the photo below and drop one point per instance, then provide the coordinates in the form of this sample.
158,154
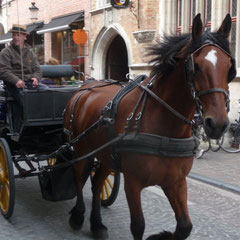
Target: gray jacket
10,65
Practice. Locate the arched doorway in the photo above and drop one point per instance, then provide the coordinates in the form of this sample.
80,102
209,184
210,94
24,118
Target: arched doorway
117,60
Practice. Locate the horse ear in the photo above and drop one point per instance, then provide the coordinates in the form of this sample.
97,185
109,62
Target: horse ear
226,26
197,27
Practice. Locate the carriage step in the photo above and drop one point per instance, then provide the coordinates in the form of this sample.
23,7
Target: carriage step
22,171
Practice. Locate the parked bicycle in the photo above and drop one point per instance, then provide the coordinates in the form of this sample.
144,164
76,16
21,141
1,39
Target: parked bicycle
235,132
207,144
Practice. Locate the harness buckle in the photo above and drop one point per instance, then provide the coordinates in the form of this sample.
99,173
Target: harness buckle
130,116
150,84
109,106
138,117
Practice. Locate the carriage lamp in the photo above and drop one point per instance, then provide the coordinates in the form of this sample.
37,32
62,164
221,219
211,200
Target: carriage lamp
34,12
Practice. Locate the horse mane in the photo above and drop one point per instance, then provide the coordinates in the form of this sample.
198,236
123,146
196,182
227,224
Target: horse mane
172,48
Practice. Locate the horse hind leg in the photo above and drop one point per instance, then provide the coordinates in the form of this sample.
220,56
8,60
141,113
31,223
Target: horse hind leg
98,229
77,213
177,196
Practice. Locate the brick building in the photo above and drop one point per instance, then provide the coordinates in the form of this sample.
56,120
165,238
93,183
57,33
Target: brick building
117,37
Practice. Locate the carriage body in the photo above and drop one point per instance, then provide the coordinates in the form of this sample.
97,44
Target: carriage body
25,152
37,146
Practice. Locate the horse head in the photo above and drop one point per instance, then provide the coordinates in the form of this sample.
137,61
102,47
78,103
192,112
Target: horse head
210,67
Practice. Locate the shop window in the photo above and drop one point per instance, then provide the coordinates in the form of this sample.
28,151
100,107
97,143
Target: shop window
37,44
70,49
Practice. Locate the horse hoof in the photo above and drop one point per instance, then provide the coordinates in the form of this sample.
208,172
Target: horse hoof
76,220
100,232
76,225
161,236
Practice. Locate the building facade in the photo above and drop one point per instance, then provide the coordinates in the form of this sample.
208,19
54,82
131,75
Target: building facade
117,37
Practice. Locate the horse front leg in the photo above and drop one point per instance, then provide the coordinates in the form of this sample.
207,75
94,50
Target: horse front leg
133,195
177,196
98,229
82,171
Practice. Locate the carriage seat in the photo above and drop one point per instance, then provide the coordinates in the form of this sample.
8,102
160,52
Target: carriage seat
56,71
59,75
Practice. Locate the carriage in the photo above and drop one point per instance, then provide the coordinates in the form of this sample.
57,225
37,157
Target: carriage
34,148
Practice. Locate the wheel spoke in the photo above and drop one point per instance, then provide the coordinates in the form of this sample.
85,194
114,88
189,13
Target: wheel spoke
108,180
3,163
4,197
2,177
103,193
106,190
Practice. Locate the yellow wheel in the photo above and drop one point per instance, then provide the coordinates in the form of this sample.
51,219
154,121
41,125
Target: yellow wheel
7,181
110,187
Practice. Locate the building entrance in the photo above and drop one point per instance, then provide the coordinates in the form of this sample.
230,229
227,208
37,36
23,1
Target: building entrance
117,60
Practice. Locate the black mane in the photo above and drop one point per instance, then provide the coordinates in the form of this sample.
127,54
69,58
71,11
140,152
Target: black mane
173,48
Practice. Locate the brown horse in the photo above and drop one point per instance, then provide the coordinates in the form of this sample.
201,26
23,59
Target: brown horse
154,141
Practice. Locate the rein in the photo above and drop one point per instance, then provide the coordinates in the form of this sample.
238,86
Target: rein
151,93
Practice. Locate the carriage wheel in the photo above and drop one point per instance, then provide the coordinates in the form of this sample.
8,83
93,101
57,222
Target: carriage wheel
7,181
110,187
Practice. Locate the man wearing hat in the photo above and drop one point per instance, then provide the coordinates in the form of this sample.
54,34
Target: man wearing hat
18,65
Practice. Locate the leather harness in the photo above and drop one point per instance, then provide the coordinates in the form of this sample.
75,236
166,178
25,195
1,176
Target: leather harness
134,141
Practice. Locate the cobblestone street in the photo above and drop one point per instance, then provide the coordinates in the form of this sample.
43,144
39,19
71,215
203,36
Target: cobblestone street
214,213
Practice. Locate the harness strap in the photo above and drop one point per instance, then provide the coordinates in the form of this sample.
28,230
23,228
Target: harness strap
90,154
75,100
177,114
204,92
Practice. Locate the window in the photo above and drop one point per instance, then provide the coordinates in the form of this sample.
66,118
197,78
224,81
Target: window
208,14
179,17
102,3
192,13
70,49
233,11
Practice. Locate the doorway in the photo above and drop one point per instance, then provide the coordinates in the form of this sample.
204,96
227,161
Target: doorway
117,60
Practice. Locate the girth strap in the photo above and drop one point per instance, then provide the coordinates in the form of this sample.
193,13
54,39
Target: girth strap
157,145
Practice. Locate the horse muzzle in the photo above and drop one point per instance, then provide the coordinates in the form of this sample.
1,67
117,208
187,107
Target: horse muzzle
214,129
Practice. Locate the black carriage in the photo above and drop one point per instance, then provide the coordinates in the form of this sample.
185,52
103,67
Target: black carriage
35,149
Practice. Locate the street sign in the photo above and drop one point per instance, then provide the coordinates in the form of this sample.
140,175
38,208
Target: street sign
119,3
80,37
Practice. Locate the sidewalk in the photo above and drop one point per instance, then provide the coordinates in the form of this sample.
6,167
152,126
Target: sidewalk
218,168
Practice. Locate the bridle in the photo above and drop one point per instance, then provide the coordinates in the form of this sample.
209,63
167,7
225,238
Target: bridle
189,76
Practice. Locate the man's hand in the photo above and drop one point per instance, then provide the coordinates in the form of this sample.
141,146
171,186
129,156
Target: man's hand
34,81
20,84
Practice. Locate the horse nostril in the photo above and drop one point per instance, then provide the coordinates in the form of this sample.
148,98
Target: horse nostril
225,126
210,123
